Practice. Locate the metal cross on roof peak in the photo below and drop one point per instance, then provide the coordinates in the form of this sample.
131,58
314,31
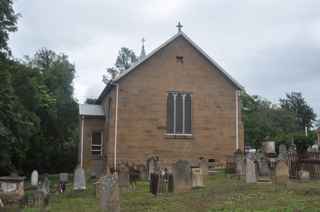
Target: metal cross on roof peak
143,40
179,26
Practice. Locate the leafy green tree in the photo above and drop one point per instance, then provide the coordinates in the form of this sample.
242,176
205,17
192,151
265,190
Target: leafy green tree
125,59
8,23
264,120
295,103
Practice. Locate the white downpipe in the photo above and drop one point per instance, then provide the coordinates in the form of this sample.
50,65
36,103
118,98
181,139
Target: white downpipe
116,128
237,119
81,148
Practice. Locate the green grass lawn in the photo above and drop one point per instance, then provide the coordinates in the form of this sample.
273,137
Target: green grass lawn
221,194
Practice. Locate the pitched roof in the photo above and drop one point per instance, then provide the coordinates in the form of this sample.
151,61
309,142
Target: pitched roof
90,110
182,34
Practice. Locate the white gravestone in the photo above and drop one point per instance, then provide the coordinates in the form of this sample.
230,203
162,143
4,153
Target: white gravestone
34,178
251,168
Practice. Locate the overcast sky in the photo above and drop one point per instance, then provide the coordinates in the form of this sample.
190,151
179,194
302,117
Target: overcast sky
271,47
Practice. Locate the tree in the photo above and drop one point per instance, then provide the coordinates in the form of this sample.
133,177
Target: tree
262,120
8,21
295,103
125,59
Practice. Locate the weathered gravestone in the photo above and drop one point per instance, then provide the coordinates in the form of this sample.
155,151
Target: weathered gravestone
79,179
12,187
281,174
123,177
263,165
182,176
197,177
240,163
204,169
45,185
153,166
109,194
251,168
34,178
283,153
64,177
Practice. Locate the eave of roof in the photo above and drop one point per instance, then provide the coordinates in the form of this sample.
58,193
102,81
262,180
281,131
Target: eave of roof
91,110
180,33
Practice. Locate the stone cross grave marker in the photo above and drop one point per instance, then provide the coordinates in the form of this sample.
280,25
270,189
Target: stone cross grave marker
182,176
34,178
79,179
109,194
251,168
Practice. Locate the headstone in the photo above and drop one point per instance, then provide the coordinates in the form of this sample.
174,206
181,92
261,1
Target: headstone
204,169
79,179
45,186
239,160
64,177
251,168
182,176
315,148
263,166
269,147
304,175
281,172
197,177
283,153
34,178
109,194
150,166
123,177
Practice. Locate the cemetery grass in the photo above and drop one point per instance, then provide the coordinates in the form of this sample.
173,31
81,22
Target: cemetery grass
223,193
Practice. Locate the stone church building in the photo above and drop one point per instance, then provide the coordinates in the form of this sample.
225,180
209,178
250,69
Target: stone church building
174,103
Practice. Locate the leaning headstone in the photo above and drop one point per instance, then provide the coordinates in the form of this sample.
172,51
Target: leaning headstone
123,177
34,178
283,153
79,179
63,177
251,168
281,174
197,177
182,176
109,194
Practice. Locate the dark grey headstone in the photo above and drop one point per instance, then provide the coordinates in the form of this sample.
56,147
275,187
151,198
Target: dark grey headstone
182,176
79,179
109,194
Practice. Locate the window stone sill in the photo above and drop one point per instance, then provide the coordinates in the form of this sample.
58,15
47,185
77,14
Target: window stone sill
178,136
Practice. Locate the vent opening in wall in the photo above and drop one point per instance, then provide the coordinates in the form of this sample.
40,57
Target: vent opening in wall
179,59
